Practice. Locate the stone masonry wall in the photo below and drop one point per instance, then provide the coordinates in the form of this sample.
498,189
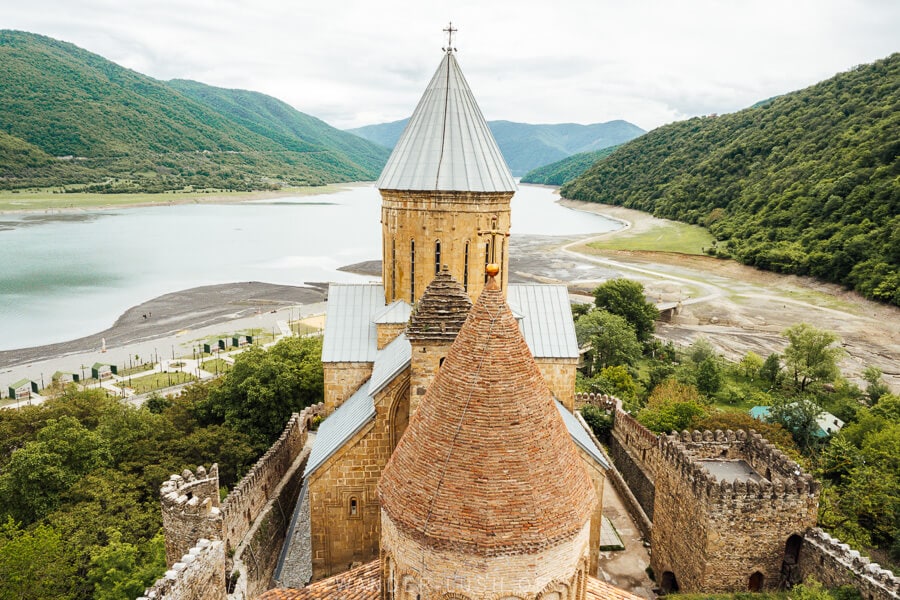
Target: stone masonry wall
190,510
257,555
245,502
388,332
559,373
341,380
198,575
426,359
454,218
714,535
836,564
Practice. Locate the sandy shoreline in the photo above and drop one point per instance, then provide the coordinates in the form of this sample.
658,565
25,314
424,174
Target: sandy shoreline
172,199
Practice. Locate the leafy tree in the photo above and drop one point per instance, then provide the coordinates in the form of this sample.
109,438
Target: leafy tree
119,572
811,355
34,564
612,339
773,432
750,365
771,368
877,387
265,386
615,381
671,416
701,350
888,408
799,417
672,390
625,298
709,376
597,419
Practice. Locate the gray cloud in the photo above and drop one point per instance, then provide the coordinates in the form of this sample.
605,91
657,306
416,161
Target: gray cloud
354,62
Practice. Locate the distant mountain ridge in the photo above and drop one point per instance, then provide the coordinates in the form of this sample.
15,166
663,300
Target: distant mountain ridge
567,169
807,182
150,135
526,146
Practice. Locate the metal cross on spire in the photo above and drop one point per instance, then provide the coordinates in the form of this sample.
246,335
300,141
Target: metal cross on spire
450,30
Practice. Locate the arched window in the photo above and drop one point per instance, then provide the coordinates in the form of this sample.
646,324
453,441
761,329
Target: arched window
487,258
353,507
792,549
437,257
756,582
412,271
668,583
466,267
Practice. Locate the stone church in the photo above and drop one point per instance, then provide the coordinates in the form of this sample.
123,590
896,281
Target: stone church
449,461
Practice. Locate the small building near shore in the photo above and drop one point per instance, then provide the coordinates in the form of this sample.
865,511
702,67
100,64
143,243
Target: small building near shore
23,389
65,377
103,371
210,347
240,341
828,423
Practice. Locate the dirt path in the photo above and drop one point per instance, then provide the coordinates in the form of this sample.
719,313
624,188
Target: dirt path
736,307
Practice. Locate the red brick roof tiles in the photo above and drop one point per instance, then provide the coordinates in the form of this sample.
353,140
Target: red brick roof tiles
600,590
486,464
361,583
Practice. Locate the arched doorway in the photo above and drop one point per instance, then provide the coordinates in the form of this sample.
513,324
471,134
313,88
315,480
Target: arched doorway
756,582
668,583
792,549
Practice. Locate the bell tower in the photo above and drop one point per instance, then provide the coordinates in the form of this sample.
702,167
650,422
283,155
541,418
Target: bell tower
445,193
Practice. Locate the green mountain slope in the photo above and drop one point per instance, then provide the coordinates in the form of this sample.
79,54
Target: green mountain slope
808,183
526,146
282,123
567,169
146,135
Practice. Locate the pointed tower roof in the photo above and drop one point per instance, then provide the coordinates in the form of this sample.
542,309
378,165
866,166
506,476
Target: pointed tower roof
447,145
486,464
441,311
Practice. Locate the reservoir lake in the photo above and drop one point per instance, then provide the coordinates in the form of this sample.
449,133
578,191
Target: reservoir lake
69,274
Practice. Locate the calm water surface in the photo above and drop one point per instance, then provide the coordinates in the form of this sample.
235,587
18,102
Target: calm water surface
68,275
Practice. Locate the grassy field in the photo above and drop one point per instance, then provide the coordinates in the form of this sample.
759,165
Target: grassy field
158,381
669,236
46,199
136,369
216,365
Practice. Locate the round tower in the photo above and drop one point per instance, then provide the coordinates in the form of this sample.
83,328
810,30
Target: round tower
445,191
485,495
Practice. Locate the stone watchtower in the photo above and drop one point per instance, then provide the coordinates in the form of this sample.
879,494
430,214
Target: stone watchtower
729,513
485,496
445,194
190,510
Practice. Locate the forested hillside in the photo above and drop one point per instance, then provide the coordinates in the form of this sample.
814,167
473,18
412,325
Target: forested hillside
806,183
123,131
526,146
567,169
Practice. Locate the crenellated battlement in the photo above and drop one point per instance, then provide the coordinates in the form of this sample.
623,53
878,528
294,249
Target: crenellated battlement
241,507
192,492
774,477
835,564
198,574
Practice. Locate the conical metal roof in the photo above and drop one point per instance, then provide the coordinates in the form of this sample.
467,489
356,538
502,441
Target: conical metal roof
486,464
447,145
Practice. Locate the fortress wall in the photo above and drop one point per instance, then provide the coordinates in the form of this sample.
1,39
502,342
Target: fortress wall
247,500
190,510
257,556
198,575
836,564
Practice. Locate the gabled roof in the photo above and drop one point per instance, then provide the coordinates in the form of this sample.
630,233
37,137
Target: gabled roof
391,359
20,383
345,422
395,312
447,145
350,332
361,583
547,322
580,436
97,365
485,436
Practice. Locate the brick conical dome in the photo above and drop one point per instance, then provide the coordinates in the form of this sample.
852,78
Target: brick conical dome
486,465
442,310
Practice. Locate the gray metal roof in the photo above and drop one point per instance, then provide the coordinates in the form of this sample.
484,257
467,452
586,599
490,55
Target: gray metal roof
397,311
348,420
447,144
350,333
391,359
580,435
547,318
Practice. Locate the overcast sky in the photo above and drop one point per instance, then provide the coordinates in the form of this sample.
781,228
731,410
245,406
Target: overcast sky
357,62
